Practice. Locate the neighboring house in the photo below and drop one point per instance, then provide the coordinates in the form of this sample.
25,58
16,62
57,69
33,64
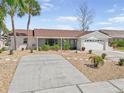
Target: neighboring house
115,35
94,40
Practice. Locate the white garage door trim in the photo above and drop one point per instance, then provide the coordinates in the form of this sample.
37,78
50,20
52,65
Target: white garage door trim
94,44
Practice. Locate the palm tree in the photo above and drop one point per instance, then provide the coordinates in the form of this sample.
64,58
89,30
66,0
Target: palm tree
33,9
2,19
11,6
97,61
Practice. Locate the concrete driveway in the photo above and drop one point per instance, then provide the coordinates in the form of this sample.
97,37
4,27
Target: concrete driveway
45,72
112,55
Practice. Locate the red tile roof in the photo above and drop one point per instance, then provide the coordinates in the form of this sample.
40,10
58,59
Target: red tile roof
58,33
114,33
22,32
51,33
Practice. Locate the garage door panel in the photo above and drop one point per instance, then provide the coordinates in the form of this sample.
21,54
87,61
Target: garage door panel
93,46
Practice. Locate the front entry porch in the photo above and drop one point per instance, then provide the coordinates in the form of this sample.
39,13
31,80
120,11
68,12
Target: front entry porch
53,41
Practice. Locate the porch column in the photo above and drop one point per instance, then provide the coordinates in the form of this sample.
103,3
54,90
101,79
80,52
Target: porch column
104,48
61,44
76,44
37,43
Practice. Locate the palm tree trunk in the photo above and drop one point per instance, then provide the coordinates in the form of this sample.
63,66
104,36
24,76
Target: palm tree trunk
28,24
13,29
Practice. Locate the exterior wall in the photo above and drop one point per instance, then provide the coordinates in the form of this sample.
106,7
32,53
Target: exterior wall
32,42
79,45
11,42
1,44
20,42
41,42
73,43
107,45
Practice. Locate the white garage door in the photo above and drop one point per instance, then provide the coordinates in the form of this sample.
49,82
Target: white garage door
94,44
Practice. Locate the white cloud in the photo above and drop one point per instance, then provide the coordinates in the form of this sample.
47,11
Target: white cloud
67,18
111,28
111,10
67,27
47,6
117,19
113,20
104,23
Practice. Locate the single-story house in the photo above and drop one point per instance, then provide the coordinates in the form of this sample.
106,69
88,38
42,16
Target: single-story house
115,35
91,40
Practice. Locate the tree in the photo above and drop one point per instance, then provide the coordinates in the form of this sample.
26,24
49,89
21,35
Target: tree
2,19
11,6
85,16
97,61
33,9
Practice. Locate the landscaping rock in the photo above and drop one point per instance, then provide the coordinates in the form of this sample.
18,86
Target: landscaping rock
75,58
7,59
15,60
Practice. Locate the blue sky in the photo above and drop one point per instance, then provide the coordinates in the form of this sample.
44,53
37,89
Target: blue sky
61,14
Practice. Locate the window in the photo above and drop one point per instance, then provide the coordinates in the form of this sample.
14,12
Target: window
25,41
51,42
93,40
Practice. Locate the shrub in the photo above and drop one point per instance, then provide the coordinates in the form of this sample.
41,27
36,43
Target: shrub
11,52
120,43
51,47
103,55
45,47
66,45
35,48
76,51
39,49
31,50
97,61
90,51
1,51
83,48
121,62
7,44
115,44
22,49
56,47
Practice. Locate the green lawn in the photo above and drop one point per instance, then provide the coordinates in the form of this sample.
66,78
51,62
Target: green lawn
120,48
